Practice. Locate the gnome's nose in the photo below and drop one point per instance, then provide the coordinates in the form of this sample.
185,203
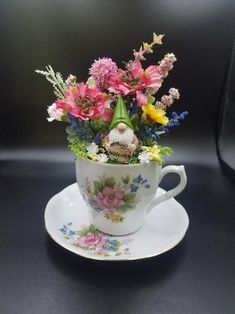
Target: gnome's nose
121,127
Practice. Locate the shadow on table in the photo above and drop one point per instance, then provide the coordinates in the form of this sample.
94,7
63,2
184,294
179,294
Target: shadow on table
110,273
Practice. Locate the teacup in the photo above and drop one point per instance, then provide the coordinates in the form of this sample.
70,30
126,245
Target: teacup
119,197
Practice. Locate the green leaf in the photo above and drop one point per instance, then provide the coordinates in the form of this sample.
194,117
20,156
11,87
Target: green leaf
151,99
149,142
98,186
134,120
129,197
133,160
117,244
83,232
122,209
109,182
165,150
129,205
92,229
126,180
97,125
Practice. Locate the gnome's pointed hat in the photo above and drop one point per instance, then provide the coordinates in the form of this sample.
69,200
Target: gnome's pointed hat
120,115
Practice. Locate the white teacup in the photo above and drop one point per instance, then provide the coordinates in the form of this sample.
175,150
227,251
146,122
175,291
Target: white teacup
119,197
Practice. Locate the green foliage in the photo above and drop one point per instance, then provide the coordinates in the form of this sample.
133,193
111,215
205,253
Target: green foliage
83,232
122,209
99,125
117,245
98,186
78,147
135,121
149,142
126,180
133,160
129,198
165,150
110,182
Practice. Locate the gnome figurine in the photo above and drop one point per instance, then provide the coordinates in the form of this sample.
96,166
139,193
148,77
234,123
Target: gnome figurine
121,142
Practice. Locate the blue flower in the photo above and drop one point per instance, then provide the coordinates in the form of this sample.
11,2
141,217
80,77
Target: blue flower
174,120
81,128
134,188
63,231
138,179
71,233
97,138
110,245
152,132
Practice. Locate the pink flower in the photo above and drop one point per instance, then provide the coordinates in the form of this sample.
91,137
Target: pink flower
166,64
101,70
54,113
86,103
91,240
135,80
110,199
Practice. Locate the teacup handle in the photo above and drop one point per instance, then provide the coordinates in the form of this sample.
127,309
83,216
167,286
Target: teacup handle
173,192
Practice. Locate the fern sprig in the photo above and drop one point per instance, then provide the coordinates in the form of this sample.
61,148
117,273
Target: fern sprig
55,79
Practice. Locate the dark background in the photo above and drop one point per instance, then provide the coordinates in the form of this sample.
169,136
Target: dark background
36,275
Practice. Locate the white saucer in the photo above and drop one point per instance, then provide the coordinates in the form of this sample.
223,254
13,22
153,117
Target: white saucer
66,213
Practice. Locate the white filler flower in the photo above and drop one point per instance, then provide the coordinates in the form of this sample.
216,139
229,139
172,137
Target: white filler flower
93,148
144,157
103,158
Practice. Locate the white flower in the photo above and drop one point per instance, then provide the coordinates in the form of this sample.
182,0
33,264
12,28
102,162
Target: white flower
93,148
54,113
174,93
71,80
144,157
103,158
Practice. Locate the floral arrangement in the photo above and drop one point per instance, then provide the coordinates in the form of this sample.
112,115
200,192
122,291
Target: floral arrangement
114,117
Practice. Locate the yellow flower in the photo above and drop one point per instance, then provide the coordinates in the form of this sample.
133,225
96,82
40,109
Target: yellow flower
102,252
116,218
154,114
154,152
157,39
148,47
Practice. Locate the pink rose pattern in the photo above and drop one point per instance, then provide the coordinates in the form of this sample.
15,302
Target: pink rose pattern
112,199
90,239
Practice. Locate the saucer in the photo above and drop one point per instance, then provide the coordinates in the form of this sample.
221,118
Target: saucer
67,222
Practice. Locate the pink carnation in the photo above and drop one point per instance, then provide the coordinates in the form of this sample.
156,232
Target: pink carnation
91,240
101,70
110,199
86,103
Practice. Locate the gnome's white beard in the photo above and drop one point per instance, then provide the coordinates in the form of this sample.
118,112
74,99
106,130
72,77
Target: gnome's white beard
125,138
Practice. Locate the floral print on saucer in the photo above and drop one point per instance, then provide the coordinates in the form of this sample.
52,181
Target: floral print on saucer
67,222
